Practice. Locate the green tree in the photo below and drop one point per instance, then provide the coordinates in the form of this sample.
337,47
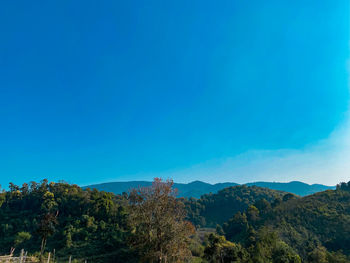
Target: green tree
282,253
21,237
236,228
2,197
49,216
337,257
252,213
219,250
46,228
318,255
269,248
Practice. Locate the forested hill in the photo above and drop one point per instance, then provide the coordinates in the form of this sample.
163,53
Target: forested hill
312,225
213,209
197,188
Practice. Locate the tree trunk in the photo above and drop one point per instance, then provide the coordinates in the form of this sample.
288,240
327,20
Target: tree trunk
43,244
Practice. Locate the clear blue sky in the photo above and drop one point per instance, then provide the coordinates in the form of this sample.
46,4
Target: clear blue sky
94,91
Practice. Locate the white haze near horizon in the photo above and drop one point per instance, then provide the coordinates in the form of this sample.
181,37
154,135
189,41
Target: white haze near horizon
325,162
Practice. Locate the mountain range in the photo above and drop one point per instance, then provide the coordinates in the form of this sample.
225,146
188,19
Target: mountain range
198,188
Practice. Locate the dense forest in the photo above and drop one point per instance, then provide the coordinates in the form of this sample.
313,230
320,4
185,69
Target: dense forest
149,224
213,209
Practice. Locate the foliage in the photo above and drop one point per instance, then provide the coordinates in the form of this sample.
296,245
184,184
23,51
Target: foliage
21,237
82,223
219,249
212,209
344,186
317,227
248,224
269,248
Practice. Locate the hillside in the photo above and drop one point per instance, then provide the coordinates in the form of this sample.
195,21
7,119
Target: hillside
324,216
213,209
253,224
306,224
197,188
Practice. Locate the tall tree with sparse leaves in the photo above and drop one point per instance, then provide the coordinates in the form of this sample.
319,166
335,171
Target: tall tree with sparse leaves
161,233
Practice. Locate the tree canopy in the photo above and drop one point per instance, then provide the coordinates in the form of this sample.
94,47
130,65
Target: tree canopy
150,224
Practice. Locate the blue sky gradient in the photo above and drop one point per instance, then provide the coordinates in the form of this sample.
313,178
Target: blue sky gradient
194,90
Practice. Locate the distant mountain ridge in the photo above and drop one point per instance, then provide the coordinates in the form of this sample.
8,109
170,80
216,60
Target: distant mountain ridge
198,188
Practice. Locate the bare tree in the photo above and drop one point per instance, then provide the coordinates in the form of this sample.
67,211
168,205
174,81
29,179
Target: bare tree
158,220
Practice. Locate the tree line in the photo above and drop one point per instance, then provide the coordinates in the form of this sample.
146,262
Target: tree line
150,224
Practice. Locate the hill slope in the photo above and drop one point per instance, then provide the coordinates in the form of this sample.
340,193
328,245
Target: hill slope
213,209
324,216
306,224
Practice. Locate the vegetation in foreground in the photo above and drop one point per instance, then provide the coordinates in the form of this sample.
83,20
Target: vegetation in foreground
238,224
